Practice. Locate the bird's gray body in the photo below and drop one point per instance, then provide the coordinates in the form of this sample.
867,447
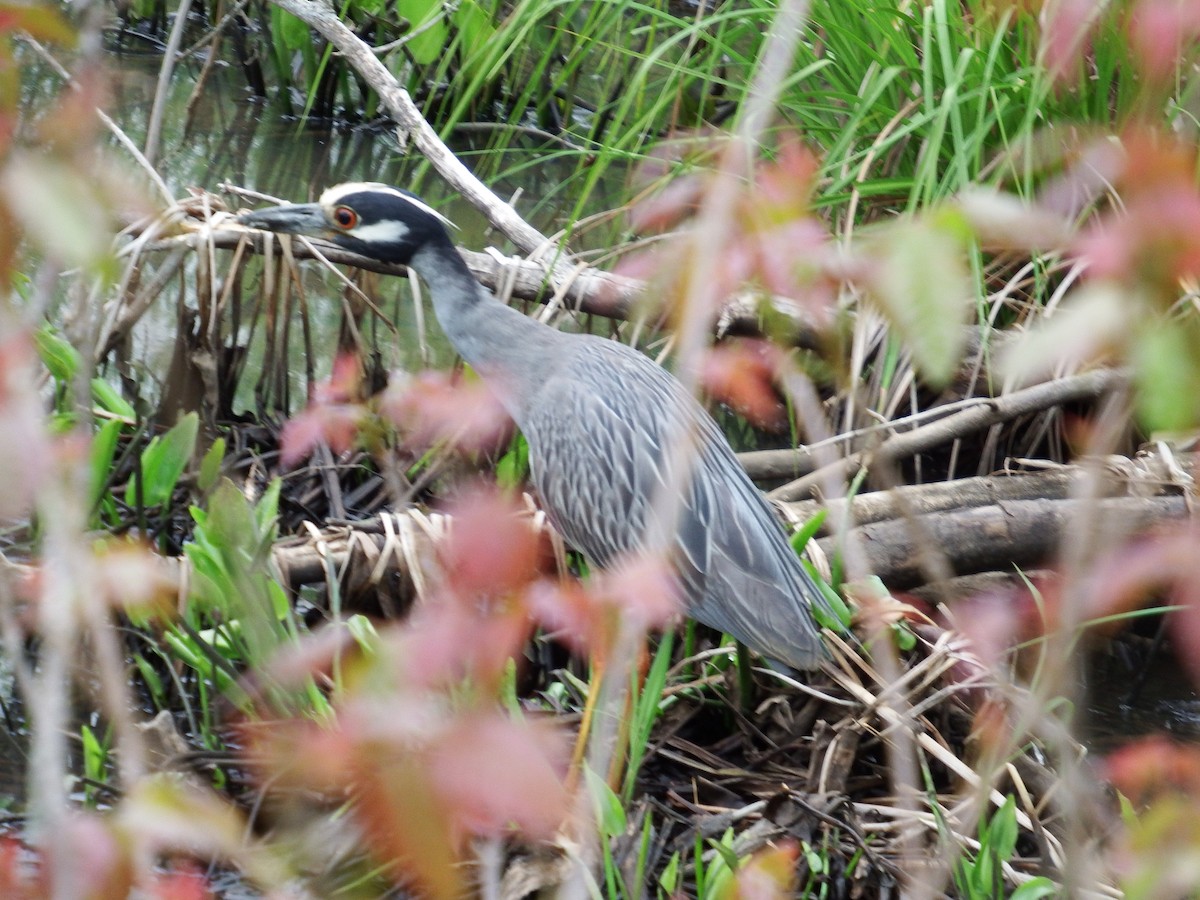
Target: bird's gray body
623,458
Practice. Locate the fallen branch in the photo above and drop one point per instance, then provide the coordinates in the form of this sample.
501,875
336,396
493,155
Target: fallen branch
1040,397
1022,533
965,493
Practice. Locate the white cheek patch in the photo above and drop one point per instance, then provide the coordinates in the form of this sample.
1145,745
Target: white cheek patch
387,232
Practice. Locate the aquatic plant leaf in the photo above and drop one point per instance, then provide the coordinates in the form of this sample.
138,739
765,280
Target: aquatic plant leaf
1036,889
164,460
210,466
609,812
429,29
57,354
290,30
107,398
474,27
100,459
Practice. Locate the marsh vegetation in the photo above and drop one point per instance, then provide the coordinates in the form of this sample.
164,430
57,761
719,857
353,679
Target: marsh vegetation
279,614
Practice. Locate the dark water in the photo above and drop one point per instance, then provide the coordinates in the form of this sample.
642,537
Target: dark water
1124,701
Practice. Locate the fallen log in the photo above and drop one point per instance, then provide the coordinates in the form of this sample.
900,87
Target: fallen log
1000,527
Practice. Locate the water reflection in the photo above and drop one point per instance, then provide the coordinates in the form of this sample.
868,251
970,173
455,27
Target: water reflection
1115,714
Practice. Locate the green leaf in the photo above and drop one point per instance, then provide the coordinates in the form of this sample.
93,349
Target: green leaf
266,511
429,31
210,466
834,614
104,450
1001,834
1167,373
725,851
106,397
152,680
63,360
923,287
475,35
363,631
669,879
94,754
903,636
1036,889
610,814
513,467
808,530
293,32
164,460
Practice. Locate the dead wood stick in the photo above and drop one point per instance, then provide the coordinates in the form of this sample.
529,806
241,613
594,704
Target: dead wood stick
999,536
1004,536
587,290
964,493
1040,397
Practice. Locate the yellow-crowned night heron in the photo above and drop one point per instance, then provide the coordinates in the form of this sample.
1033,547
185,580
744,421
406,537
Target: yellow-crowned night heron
600,419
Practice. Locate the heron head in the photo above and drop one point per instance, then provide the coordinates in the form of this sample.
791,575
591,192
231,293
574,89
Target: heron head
374,220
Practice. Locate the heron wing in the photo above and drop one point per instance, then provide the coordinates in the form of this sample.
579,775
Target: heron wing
601,434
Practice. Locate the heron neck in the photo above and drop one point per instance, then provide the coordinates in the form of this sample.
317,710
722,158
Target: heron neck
499,342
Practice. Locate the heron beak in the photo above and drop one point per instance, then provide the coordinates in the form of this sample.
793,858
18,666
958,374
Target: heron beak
291,218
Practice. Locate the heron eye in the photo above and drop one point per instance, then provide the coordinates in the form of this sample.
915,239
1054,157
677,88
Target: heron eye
345,217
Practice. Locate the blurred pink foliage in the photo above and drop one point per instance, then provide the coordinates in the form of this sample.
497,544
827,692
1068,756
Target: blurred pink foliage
333,415
770,874
1153,766
434,408
27,453
419,738
742,374
1154,235
1159,33
775,242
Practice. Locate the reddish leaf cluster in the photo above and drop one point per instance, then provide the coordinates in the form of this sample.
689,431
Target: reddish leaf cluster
418,740
775,243
424,777
91,858
642,594
442,408
742,374
1154,237
770,874
1158,32
27,455
333,415
429,409
1154,766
